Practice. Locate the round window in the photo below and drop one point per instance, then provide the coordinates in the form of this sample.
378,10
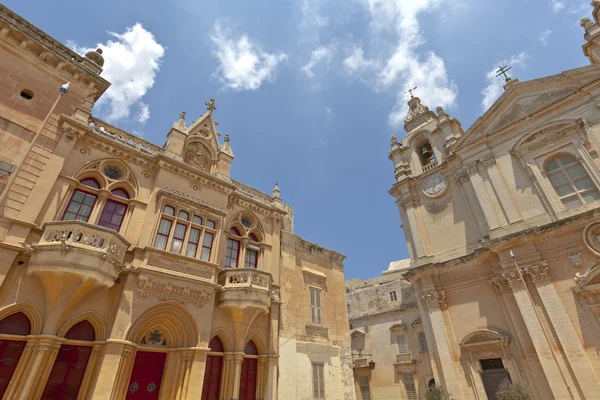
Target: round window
27,94
113,172
247,221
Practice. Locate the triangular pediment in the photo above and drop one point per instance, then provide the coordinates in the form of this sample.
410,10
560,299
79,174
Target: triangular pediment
204,127
522,101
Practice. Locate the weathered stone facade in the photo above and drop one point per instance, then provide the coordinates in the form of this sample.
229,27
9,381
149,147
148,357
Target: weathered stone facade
130,270
524,179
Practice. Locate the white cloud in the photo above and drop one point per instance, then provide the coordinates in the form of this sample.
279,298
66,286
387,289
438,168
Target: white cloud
143,112
131,61
404,64
557,5
244,65
544,37
356,62
328,111
495,85
322,54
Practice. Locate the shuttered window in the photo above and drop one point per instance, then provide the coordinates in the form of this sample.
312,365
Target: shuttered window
365,390
318,377
401,342
409,386
315,306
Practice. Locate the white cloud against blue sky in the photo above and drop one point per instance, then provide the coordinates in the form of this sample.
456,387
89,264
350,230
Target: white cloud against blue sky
311,90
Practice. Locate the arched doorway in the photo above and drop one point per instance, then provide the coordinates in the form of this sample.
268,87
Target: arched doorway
249,372
211,388
11,350
71,361
148,368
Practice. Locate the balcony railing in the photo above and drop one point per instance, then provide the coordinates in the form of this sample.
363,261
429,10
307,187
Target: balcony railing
245,288
430,166
245,278
404,358
405,363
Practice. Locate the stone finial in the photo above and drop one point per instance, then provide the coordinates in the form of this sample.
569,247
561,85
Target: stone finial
277,191
227,138
585,22
96,57
440,111
180,124
415,108
210,105
226,147
394,139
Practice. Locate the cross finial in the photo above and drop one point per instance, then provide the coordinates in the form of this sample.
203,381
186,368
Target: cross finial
411,92
182,114
226,137
503,71
210,105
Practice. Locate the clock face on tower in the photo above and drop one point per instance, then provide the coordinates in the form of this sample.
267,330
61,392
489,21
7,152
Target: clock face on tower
435,185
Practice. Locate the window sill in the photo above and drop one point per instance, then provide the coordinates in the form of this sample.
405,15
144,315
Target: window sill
317,331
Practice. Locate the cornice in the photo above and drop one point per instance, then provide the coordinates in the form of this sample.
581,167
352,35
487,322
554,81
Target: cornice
64,58
172,193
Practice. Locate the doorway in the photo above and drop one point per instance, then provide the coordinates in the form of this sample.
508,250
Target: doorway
146,376
493,374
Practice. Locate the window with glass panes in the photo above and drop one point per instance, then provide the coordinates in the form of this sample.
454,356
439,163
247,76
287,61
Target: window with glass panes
571,181
187,233
315,306
393,296
232,253
80,206
409,386
401,342
318,375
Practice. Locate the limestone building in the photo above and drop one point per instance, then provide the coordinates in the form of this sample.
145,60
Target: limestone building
524,177
388,343
135,271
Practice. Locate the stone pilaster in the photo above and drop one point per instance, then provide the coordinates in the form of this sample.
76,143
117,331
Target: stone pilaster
195,361
109,368
482,196
226,377
435,302
408,205
576,356
536,333
237,374
42,360
501,189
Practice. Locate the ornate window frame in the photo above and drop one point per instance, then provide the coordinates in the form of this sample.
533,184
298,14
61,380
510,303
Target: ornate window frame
535,147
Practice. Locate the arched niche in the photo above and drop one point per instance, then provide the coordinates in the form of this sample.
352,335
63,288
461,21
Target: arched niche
172,320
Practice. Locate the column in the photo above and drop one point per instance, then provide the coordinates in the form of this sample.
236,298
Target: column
576,356
502,190
186,357
237,374
226,377
42,361
408,205
272,368
467,199
260,378
534,328
482,196
110,368
431,345
195,366
434,301
90,371
99,206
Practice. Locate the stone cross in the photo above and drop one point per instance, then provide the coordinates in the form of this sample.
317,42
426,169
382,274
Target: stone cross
210,105
182,114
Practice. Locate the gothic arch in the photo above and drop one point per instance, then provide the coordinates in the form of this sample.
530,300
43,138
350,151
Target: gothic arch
92,317
236,221
172,319
34,316
95,170
260,344
225,338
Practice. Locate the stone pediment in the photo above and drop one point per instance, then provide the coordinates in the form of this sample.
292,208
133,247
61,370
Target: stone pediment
204,128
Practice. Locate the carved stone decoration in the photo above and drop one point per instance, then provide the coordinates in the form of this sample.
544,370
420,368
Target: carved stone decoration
471,168
575,257
434,299
488,161
538,272
166,291
180,266
513,279
415,108
499,284
197,155
435,185
591,237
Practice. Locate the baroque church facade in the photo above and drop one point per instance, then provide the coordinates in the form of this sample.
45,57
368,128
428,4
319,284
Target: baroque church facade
502,223
135,271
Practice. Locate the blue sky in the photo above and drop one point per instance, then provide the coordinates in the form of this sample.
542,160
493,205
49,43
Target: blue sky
311,90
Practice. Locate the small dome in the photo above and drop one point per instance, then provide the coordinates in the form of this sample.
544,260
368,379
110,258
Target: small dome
96,57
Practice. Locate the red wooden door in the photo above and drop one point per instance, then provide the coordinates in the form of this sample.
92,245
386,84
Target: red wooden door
10,353
146,375
67,373
212,378
248,379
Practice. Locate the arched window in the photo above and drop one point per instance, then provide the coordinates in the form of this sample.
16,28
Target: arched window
80,206
570,180
249,372
91,182
11,350
188,237
71,362
212,374
232,254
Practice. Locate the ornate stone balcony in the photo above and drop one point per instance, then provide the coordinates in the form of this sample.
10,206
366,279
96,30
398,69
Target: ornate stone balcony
79,249
245,287
363,362
405,363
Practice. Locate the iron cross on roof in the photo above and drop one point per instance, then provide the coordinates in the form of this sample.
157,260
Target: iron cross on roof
210,105
411,92
503,71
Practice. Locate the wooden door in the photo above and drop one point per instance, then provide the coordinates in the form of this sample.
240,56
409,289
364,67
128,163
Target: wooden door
67,373
212,378
248,379
10,353
146,376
